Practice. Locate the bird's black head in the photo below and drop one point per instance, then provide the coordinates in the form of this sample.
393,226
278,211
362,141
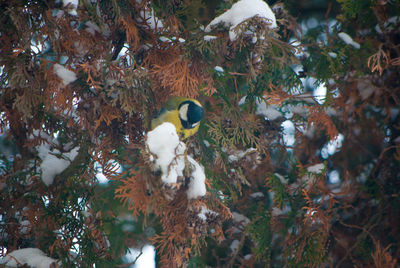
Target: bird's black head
190,113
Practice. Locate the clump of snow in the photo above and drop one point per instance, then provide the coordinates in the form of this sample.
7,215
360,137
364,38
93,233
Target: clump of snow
240,154
32,257
237,217
320,93
332,54
204,211
334,177
388,25
164,143
288,133
235,245
152,21
208,38
317,168
64,74
268,111
240,12
52,165
165,39
72,5
219,69
281,178
169,157
365,88
242,100
348,40
278,212
197,185
257,195
25,226
92,28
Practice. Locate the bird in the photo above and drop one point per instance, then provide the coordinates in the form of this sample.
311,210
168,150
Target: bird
184,113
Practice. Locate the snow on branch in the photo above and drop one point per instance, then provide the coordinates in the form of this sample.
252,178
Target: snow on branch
64,74
242,11
33,257
169,157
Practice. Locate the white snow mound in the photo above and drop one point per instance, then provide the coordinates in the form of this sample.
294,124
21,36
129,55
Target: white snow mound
240,12
33,257
169,153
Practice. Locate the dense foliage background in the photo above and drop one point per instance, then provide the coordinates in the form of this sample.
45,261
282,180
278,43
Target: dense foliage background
300,143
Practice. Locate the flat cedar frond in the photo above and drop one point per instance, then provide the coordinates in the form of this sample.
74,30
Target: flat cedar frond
176,76
320,118
379,61
305,249
275,96
234,130
92,71
108,113
134,194
132,32
314,213
382,257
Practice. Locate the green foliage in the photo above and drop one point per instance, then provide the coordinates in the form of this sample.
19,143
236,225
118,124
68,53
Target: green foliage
268,203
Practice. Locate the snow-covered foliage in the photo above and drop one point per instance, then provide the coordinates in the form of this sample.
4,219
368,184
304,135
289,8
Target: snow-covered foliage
168,150
204,211
348,40
53,162
197,187
32,257
64,74
269,111
317,168
72,5
169,157
240,12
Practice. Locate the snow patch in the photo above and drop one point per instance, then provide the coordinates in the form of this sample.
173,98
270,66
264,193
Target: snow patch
33,257
317,168
72,5
281,178
197,186
164,143
152,21
240,12
52,165
237,217
64,74
257,195
219,69
332,55
168,154
208,38
204,211
92,28
348,40
235,245
365,88
268,111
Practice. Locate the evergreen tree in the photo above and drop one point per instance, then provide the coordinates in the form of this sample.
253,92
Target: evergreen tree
300,144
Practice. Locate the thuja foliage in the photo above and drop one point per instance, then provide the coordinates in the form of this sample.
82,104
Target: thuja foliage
296,176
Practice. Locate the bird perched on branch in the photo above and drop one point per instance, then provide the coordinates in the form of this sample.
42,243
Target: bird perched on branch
184,113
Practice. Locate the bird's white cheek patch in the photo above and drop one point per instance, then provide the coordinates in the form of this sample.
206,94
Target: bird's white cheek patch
183,112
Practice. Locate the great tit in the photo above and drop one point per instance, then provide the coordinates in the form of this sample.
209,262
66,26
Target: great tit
183,112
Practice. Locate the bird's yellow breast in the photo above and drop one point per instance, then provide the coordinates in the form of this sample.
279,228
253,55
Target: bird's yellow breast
173,117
